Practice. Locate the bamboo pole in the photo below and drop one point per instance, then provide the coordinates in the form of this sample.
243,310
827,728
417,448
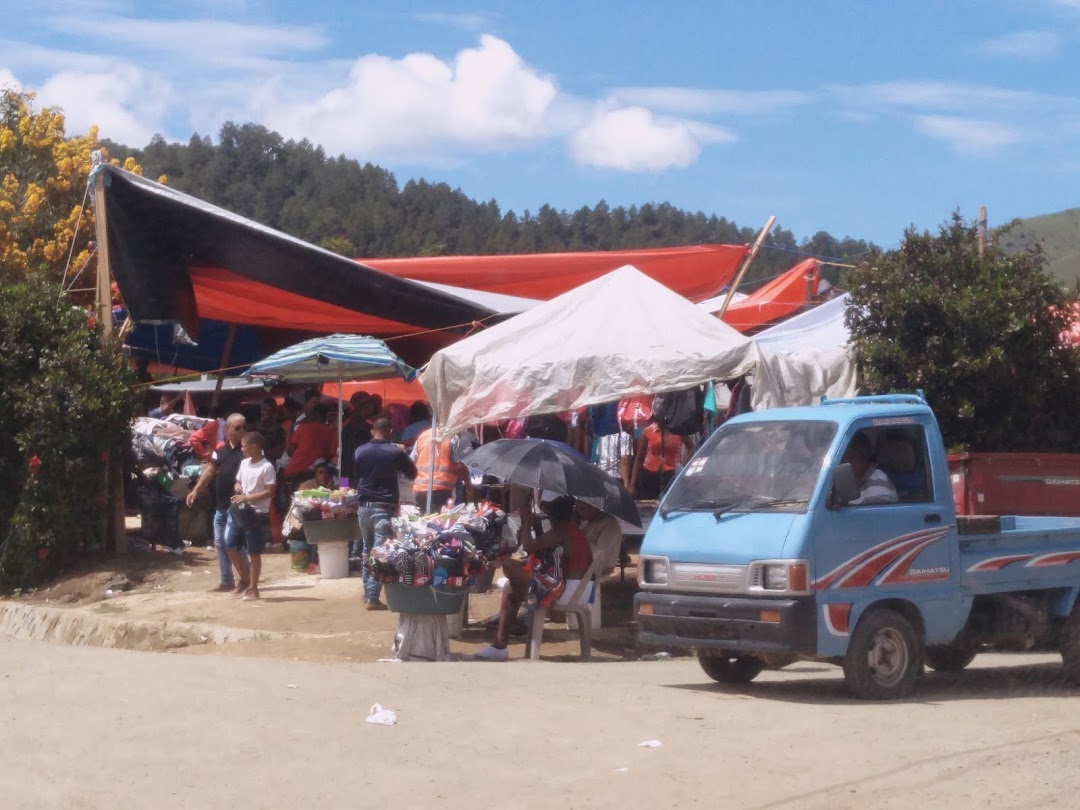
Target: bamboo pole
114,468
746,266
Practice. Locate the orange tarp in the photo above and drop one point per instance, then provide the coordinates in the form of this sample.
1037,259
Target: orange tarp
694,272
782,297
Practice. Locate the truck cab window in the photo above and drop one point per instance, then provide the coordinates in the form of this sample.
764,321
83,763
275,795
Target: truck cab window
875,485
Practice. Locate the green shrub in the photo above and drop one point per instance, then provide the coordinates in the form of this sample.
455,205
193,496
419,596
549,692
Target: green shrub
65,405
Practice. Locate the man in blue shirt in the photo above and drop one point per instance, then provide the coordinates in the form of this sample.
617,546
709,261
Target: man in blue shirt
376,466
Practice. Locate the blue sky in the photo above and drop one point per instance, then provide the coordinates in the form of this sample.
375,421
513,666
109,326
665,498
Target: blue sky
857,118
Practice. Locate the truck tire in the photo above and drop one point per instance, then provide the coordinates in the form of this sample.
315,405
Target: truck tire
1070,646
949,657
725,668
884,657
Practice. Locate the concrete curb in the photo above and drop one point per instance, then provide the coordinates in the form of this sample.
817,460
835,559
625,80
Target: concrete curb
82,628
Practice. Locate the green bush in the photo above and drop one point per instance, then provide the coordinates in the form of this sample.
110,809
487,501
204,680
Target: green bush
65,405
981,334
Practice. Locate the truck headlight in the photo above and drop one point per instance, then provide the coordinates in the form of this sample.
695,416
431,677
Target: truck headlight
656,572
781,576
776,577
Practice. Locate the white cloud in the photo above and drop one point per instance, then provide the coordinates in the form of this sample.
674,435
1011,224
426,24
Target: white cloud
1024,44
473,23
8,80
969,136
632,139
486,99
193,38
951,96
126,103
692,101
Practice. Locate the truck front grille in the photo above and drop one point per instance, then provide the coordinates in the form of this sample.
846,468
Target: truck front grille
707,578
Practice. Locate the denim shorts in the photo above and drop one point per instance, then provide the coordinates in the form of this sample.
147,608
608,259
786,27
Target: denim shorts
252,538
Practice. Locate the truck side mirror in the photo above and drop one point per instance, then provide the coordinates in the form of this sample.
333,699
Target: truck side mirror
845,487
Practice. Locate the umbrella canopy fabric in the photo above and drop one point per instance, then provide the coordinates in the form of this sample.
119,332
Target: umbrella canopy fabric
618,502
541,464
334,358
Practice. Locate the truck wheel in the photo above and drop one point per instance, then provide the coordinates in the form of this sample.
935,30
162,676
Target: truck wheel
949,657
1070,646
884,657
724,668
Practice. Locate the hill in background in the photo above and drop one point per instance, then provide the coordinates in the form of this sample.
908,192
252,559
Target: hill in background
1060,237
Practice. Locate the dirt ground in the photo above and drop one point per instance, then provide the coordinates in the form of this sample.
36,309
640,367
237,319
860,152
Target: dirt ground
93,729
300,616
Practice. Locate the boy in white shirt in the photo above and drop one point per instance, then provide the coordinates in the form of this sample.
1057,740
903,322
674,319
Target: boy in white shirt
255,482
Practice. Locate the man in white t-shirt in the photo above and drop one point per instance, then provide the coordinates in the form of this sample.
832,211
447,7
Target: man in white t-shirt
255,481
614,454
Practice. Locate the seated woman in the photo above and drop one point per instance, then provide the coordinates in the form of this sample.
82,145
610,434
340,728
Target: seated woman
558,559
325,478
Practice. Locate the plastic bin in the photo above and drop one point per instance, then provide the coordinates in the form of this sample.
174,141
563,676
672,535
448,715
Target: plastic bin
334,559
332,530
427,600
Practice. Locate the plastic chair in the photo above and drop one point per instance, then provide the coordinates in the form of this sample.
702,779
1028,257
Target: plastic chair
579,603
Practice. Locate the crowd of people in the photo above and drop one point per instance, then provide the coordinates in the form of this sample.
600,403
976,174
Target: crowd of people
389,453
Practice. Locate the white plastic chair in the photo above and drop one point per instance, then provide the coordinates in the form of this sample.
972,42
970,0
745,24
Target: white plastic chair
577,604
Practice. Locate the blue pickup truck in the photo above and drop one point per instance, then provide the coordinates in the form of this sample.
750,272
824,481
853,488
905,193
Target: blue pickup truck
829,533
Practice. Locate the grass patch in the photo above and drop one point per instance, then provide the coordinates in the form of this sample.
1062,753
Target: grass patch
195,619
108,607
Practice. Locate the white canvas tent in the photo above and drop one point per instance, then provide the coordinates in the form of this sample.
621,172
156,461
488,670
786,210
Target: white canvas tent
620,335
807,356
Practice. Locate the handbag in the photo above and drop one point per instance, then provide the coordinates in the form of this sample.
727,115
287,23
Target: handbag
243,515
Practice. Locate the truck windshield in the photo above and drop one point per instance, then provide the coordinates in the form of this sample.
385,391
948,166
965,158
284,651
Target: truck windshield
754,466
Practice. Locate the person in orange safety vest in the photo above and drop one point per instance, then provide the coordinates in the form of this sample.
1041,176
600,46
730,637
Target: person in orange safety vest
447,471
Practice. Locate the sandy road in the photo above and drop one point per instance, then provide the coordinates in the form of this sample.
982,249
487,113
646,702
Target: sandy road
91,728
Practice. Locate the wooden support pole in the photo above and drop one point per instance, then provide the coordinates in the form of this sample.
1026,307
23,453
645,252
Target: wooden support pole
735,282
225,355
114,468
981,233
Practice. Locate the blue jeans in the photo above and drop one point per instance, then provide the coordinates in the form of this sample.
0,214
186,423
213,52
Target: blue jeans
374,529
223,531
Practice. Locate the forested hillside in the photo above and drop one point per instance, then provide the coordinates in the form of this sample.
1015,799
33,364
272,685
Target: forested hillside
1059,235
360,210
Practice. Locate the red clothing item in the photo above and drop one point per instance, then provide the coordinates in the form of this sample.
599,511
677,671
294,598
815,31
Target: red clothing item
313,441
205,439
579,554
661,449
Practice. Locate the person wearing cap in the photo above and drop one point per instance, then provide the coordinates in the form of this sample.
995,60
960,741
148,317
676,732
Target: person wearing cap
564,543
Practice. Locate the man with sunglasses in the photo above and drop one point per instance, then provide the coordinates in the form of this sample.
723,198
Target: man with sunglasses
221,471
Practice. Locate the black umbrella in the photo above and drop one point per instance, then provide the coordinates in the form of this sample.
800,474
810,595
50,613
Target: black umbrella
556,467
616,501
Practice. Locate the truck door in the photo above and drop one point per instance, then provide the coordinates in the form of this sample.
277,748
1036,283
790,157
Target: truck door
897,541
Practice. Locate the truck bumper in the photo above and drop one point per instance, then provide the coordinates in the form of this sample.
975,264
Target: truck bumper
727,622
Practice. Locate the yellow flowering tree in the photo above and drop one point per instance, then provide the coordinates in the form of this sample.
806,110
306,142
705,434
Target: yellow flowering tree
43,185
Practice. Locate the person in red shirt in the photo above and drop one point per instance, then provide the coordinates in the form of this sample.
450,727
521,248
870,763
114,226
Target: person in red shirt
564,538
311,440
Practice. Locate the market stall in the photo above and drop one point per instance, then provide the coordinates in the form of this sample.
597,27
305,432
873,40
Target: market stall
335,358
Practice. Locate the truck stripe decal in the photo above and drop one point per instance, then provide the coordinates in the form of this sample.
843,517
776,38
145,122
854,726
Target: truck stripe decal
1057,558
837,618
997,563
871,559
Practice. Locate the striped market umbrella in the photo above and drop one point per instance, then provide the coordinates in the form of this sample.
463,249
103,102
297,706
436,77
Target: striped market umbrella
335,358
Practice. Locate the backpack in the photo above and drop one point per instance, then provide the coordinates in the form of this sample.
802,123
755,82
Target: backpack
680,412
634,412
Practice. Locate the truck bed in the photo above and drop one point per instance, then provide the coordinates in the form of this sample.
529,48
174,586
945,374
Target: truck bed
1018,553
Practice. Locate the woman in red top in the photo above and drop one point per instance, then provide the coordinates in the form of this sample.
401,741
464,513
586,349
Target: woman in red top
655,461
311,440
576,558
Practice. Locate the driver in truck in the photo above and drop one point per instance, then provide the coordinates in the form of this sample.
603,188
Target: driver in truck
874,484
